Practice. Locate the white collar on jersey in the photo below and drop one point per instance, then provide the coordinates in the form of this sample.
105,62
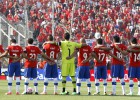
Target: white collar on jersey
117,43
99,45
13,44
30,45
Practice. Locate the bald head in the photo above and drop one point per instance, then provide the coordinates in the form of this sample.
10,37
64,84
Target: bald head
82,40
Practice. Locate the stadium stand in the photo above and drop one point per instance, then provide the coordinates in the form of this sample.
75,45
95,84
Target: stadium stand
90,17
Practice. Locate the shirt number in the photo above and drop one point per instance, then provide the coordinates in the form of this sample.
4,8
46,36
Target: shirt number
52,54
32,55
119,54
136,57
85,56
69,51
101,56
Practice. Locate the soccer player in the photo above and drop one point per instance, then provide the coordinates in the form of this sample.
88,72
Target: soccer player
1,51
134,66
100,69
117,69
50,69
68,66
30,54
14,51
84,55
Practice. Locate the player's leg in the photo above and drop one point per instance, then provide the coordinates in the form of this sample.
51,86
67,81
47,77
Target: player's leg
11,69
27,75
131,75
104,77
78,85
87,77
79,77
34,76
97,74
114,74
138,77
47,70
55,76
17,74
65,72
122,79
72,74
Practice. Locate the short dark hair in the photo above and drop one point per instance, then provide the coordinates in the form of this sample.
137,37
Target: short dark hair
100,41
50,38
134,40
30,40
67,36
13,41
116,38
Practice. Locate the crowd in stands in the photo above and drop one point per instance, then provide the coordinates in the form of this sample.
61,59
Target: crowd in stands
83,18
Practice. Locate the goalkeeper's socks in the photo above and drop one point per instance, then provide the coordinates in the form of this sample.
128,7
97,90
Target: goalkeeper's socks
63,90
74,89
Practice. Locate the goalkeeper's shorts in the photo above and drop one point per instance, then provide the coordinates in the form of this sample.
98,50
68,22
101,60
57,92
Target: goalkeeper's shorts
68,69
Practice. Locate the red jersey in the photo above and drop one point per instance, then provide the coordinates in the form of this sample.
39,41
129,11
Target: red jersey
51,50
14,50
32,52
1,49
84,53
118,53
134,59
101,54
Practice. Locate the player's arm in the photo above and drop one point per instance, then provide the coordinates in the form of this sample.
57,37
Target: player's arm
18,59
48,42
92,56
59,56
45,56
137,46
115,56
133,50
130,49
83,44
4,54
103,48
122,51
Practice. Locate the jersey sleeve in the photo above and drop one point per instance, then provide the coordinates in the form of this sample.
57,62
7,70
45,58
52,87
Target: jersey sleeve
77,45
1,49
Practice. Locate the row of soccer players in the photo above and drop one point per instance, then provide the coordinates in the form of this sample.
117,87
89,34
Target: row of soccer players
51,52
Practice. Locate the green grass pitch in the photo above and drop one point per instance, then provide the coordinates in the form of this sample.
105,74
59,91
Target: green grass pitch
50,96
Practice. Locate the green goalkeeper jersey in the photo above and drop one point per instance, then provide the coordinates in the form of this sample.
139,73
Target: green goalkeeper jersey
68,48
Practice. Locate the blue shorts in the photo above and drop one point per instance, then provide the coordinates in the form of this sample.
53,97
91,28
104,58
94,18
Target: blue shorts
83,72
14,68
0,70
50,71
30,72
100,72
134,72
117,71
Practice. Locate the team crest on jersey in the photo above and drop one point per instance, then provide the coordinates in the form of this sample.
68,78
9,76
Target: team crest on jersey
32,50
85,49
15,50
52,48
